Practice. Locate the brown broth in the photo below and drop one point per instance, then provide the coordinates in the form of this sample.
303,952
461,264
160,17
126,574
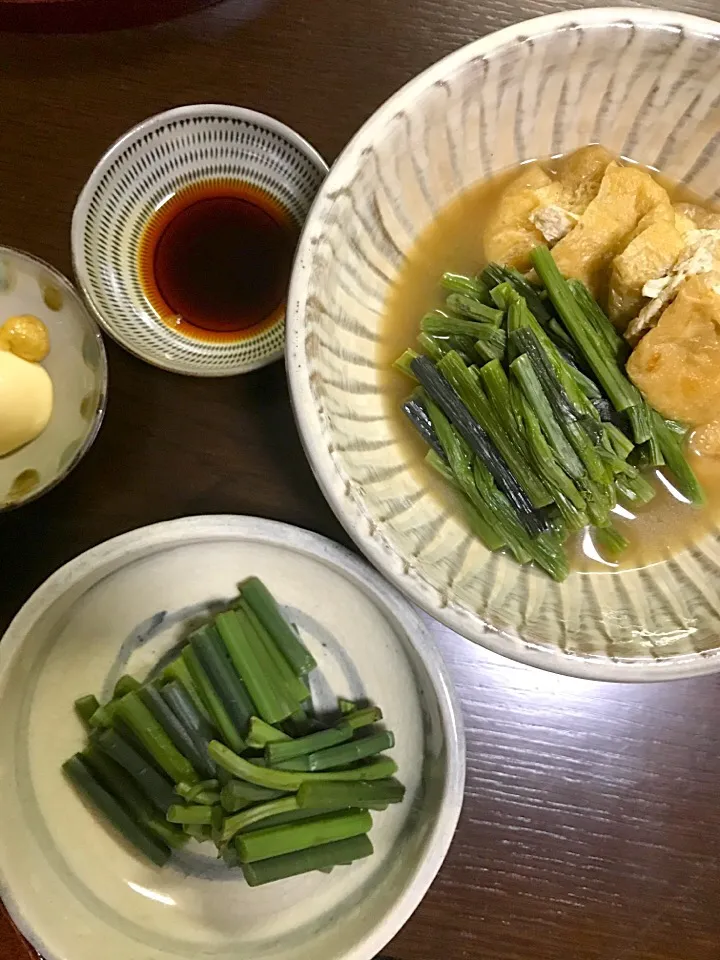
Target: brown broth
215,260
453,242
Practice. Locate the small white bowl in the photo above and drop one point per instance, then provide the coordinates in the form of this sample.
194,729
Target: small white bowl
74,890
139,173
77,367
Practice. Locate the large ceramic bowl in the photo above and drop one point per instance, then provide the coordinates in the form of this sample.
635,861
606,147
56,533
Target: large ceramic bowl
79,894
643,83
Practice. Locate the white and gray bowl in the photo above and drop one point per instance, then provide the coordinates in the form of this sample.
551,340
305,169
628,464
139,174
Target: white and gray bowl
644,84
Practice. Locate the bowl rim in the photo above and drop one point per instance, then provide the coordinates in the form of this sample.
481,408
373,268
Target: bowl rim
82,204
99,414
364,577
469,625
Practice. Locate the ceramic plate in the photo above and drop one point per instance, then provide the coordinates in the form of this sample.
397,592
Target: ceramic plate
74,891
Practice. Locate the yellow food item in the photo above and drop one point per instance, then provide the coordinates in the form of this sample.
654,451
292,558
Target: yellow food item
27,337
26,399
580,175
648,256
677,364
510,234
626,195
700,217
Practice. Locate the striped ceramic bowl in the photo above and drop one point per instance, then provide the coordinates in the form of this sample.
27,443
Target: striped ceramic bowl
154,162
644,84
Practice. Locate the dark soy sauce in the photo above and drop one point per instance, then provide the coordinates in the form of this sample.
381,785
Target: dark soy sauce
215,260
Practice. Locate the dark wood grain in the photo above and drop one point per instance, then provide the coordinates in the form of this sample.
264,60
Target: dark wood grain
591,825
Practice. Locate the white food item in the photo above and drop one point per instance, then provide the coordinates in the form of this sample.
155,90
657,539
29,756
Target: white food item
698,256
553,222
26,400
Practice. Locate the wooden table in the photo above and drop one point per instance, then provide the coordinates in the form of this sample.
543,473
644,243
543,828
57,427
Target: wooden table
591,828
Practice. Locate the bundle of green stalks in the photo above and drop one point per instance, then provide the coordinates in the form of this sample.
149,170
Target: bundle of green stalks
523,400
224,746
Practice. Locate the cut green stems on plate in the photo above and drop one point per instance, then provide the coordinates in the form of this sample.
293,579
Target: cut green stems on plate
149,846
289,838
266,609
289,781
304,861
280,751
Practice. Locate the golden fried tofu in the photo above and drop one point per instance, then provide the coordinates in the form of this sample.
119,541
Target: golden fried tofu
648,256
701,218
626,195
509,234
580,175
705,441
677,364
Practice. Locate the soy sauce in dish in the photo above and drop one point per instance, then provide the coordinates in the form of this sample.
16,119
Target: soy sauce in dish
215,260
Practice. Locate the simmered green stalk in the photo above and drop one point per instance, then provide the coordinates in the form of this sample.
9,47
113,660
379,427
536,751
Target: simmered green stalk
473,397
439,325
347,706
603,326
154,849
190,792
497,387
480,522
227,684
470,307
441,393
278,841
126,684
251,660
402,364
640,417
197,815
524,372
152,736
636,488
306,861
178,672
670,444
288,781
200,832
238,794
566,415
294,816
246,818
365,796
266,609
120,785
199,729
347,753
609,541
494,274
593,346
188,745
469,286
280,751
85,707
558,482
434,347
481,516
261,733
155,787
211,700
295,686
622,446
417,414
520,316
363,717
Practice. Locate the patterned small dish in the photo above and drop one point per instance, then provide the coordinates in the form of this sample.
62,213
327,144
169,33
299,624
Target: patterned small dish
141,172
76,365
644,84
